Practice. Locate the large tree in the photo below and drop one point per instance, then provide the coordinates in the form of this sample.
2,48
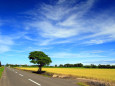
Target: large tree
40,58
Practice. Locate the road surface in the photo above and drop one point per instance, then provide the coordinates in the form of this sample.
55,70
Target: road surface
14,77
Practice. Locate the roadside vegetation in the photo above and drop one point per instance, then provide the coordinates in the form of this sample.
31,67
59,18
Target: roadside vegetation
1,70
82,84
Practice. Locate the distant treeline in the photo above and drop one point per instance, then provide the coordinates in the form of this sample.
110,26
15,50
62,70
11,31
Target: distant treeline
86,66
67,65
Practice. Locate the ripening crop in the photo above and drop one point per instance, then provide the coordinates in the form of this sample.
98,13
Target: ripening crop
100,74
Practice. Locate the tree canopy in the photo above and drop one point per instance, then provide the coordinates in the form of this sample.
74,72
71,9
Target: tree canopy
40,58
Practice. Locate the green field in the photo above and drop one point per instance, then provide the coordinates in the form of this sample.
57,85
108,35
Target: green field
1,70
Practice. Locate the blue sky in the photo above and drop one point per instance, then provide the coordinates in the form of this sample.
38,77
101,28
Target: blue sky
69,31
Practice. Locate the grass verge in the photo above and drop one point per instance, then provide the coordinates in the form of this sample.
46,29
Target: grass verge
1,70
82,84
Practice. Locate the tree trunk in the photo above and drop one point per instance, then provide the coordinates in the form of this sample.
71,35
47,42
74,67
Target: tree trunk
40,69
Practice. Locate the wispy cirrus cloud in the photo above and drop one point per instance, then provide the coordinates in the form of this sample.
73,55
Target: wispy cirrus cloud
76,55
59,20
5,43
107,61
66,20
8,40
66,9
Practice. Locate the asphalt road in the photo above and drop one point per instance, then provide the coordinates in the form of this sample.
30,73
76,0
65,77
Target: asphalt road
14,77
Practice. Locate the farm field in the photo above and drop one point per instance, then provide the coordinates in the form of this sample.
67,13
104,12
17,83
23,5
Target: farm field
1,70
99,74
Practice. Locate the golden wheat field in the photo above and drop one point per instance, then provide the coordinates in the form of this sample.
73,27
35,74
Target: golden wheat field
100,74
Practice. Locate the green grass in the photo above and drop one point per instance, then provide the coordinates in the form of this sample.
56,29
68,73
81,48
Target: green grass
1,70
82,84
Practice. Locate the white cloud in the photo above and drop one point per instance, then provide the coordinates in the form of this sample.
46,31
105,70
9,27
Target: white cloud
75,55
51,41
4,48
53,12
69,21
50,31
5,43
45,42
61,1
30,49
65,20
94,51
51,26
4,40
106,61
94,42
104,32
29,38
63,9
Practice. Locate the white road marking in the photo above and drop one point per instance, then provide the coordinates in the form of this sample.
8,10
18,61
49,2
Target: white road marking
34,82
21,75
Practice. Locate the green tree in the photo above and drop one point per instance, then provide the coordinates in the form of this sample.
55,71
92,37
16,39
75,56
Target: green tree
61,65
0,64
55,65
39,58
